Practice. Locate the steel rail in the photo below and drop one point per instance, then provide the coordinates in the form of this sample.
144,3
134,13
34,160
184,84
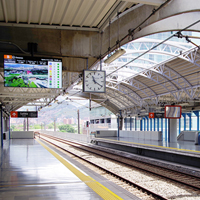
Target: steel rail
178,177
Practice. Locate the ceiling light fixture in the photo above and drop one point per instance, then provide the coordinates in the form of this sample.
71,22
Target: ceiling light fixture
114,56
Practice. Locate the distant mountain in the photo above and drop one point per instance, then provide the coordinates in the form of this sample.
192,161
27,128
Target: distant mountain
64,110
59,111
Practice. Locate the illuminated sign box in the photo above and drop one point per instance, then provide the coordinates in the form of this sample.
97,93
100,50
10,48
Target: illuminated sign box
173,112
32,72
24,114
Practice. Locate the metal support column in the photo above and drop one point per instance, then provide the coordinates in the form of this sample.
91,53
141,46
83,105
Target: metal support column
27,125
78,117
9,128
130,123
54,124
141,125
147,123
166,129
135,124
154,128
172,137
179,126
190,120
184,117
118,126
197,114
144,124
161,124
158,125
150,124
125,121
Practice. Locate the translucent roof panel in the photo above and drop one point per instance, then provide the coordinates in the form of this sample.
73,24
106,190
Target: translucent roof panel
139,56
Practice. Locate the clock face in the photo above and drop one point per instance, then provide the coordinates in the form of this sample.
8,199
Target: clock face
94,81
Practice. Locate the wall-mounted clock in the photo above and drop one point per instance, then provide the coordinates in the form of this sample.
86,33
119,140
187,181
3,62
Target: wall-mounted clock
94,81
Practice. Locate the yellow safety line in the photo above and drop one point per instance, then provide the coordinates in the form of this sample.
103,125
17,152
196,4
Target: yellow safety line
97,187
152,145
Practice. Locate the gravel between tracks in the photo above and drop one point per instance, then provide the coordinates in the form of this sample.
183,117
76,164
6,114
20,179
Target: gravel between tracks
163,187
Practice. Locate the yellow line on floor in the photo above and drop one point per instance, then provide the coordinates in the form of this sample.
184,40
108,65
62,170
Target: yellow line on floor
97,187
151,145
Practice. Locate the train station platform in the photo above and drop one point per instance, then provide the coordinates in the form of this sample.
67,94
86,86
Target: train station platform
183,152
32,170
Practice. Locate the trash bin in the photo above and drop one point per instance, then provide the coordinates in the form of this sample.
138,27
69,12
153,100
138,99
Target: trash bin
4,136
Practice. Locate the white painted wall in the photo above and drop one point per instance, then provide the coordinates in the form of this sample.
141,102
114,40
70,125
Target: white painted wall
22,134
142,135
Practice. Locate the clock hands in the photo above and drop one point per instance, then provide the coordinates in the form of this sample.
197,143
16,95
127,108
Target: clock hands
96,82
99,84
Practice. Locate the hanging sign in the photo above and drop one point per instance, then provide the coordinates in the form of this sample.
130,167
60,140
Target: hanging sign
151,115
156,115
24,114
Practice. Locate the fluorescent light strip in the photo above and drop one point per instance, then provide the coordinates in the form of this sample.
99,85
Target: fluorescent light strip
114,56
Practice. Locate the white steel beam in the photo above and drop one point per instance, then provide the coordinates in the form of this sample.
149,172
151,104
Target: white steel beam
115,96
111,14
148,2
49,27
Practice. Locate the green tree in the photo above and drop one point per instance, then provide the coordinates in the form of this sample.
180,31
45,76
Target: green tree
12,127
37,126
18,83
66,128
51,125
32,84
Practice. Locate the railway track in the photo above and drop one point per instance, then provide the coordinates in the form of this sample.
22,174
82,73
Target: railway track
190,181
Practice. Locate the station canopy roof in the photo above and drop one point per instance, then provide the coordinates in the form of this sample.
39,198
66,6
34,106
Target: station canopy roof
143,81
135,84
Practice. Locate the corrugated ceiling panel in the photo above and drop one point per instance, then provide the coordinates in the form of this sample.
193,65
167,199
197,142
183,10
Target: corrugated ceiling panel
10,8
1,13
35,11
23,10
71,12
144,80
194,79
95,12
60,10
64,12
83,13
103,12
48,11
80,13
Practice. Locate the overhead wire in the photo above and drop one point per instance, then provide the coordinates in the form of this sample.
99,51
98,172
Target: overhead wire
132,30
11,43
154,47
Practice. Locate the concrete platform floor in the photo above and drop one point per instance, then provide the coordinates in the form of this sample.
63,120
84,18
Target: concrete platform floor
184,145
30,171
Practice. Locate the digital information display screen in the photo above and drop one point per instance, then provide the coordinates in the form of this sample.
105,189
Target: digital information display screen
32,72
173,112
